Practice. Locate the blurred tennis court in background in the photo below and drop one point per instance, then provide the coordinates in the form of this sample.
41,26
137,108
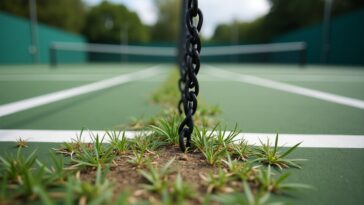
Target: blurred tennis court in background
306,82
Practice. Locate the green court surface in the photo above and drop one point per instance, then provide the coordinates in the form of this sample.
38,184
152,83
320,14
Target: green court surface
337,174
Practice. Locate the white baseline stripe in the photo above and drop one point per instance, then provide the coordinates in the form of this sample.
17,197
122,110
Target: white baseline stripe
250,79
285,140
29,103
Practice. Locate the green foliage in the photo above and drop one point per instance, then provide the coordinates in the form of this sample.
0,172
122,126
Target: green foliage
98,192
248,198
241,150
167,129
145,142
296,14
13,166
273,156
168,24
269,183
94,155
139,158
69,148
182,191
213,156
64,14
156,177
107,21
119,142
217,182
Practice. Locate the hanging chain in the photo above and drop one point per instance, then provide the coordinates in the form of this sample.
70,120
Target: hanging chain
188,84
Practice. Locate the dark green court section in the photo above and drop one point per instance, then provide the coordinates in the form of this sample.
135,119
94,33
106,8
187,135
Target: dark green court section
25,84
336,175
13,91
258,109
104,109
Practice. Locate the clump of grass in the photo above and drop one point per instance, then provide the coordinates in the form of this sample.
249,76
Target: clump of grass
119,142
273,156
139,158
268,182
13,166
217,182
248,198
84,192
214,145
157,178
69,148
95,155
57,172
241,150
213,155
167,129
181,191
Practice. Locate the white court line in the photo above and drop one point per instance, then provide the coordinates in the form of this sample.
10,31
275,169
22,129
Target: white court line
54,77
285,140
29,103
250,79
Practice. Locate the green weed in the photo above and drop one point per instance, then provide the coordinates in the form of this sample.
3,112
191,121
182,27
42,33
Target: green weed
156,177
119,142
272,155
97,154
84,192
217,182
270,183
13,166
167,129
248,198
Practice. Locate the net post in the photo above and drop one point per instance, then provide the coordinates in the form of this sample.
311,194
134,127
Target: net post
53,55
303,55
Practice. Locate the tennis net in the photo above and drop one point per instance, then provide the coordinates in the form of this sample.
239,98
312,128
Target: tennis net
293,52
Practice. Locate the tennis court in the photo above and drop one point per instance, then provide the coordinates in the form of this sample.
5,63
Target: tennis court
322,104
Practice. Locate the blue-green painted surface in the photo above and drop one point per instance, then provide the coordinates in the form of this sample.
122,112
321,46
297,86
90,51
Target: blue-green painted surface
347,41
15,41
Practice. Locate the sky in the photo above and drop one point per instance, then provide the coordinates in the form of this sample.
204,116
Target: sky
215,11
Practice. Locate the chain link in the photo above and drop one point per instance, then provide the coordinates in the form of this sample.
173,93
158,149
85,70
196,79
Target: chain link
188,83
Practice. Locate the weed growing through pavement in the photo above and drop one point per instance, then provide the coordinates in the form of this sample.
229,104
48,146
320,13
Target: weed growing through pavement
85,192
13,166
218,182
118,141
167,129
139,158
273,155
94,155
156,177
269,182
248,198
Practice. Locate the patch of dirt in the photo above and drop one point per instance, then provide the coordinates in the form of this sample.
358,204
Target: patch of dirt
125,176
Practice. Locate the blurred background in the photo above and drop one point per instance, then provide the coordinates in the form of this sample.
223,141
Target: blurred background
332,30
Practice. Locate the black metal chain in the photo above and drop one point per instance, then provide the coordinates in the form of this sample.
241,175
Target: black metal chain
188,84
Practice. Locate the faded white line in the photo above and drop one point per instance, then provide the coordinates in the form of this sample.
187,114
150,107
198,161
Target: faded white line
250,79
285,140
54,77
26,104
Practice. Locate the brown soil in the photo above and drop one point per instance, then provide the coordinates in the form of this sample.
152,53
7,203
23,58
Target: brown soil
126,177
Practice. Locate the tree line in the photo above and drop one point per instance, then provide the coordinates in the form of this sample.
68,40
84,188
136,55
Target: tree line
114,23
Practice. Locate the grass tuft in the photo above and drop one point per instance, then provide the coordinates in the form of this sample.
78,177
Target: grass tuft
274,157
